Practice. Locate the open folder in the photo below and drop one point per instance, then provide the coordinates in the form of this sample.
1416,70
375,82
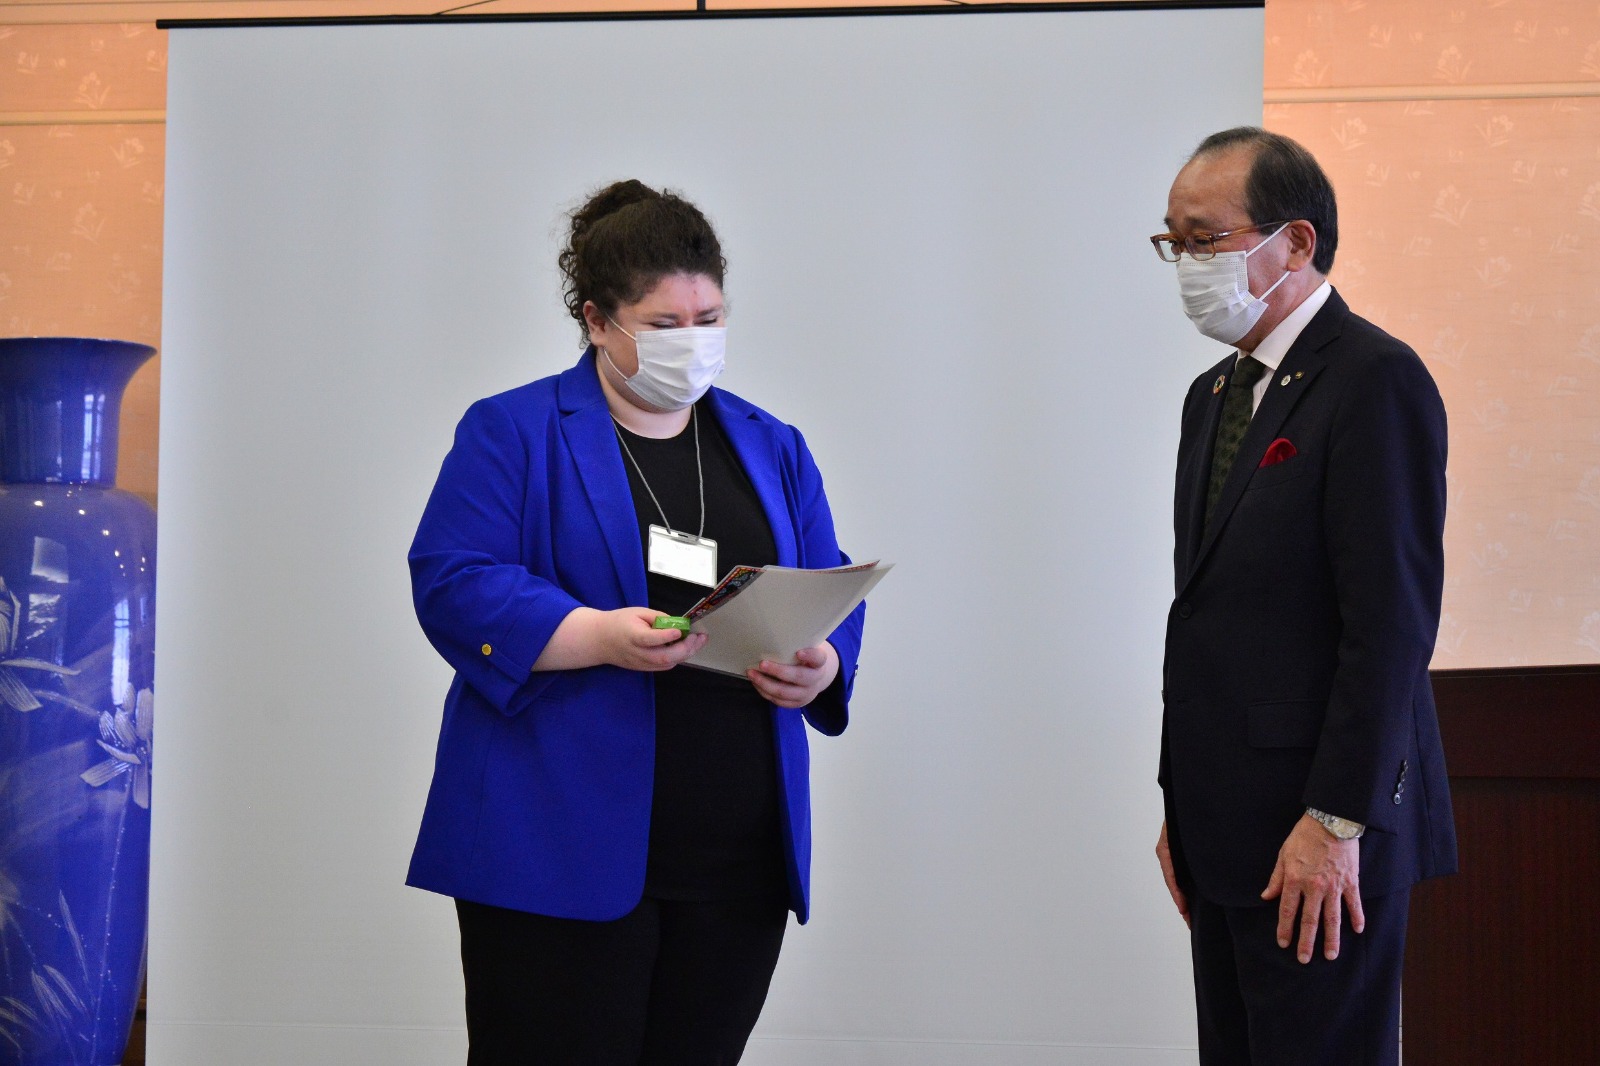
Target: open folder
771,612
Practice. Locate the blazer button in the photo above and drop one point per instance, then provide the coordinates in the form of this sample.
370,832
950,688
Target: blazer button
487,650
1184,610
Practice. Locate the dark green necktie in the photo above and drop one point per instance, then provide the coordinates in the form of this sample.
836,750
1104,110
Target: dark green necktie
1236,411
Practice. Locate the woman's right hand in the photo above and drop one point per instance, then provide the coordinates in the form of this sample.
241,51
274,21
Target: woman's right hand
623,637
628,640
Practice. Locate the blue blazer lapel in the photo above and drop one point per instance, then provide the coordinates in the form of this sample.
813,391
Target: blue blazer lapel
592,443
756,444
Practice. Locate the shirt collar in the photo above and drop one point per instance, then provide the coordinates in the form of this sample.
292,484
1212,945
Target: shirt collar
1275,345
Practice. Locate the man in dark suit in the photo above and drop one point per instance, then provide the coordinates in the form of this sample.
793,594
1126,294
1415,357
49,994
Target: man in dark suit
1301,769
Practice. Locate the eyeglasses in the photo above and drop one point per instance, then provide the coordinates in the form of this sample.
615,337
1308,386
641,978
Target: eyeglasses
1202,246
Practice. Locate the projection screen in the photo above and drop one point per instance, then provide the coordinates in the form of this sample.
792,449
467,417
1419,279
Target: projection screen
936,227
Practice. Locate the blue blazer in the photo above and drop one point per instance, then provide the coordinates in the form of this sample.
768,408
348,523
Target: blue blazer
542,782
1304,619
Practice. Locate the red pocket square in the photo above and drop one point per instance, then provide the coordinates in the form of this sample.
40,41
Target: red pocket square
1278,451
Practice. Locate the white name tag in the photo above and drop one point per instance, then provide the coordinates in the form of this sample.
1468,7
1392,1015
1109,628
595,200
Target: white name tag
683,556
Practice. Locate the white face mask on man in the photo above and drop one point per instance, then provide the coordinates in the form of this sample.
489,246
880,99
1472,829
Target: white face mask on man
676,366
1216,292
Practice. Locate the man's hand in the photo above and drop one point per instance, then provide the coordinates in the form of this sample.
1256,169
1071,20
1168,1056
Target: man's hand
1315,875
1164,856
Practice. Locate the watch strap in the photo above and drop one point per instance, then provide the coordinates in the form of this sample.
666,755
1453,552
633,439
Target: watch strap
1341,828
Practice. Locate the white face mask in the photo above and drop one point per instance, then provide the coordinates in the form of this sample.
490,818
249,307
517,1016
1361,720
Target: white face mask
1216,293
676,366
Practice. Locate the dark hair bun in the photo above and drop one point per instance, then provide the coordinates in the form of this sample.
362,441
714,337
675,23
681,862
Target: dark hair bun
607,201
625,238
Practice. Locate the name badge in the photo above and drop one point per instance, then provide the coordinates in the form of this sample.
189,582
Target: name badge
683,556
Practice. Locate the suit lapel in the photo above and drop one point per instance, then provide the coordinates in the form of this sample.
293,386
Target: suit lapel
1194,474
756,445
592,442
1299,368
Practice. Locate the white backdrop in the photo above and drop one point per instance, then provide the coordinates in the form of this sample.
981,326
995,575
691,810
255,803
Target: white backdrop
936,229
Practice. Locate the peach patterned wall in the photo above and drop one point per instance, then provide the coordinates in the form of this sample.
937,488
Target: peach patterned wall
1463,139
81,178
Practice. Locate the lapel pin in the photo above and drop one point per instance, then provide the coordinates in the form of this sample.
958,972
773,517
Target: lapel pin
1216,386
1285,380
1298,374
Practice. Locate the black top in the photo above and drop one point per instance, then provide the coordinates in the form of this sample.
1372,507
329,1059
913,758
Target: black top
714,829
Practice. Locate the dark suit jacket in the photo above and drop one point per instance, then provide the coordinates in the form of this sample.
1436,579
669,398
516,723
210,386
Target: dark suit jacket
1299,638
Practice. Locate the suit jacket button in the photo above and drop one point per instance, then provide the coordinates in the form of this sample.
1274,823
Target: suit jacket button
1184,610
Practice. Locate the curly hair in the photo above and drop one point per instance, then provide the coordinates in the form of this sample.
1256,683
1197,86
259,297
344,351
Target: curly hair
627,237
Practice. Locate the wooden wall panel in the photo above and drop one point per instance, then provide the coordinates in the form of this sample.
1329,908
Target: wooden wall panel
1500,966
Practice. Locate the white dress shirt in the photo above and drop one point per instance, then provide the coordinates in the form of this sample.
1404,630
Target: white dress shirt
1275,345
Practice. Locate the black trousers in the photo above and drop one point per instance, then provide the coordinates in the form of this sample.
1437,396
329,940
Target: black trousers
670,983
1258,1006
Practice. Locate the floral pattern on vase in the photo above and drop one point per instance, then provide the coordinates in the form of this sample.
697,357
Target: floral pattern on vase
77,625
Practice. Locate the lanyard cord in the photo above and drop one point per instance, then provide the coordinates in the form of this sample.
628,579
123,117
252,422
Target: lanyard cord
694,420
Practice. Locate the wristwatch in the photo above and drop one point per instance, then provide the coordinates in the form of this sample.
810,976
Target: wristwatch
1341,828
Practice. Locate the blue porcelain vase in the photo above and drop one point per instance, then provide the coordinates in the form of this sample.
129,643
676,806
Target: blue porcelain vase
77,629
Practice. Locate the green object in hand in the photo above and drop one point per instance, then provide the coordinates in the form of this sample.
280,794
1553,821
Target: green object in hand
670,621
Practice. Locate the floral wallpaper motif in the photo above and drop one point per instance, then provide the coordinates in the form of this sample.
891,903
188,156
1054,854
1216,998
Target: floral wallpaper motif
81,200
1440,43
1470,227
100,67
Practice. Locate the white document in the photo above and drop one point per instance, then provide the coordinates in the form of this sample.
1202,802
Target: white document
771,612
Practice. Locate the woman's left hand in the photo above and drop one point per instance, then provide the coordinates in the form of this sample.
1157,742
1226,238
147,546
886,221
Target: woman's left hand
797,685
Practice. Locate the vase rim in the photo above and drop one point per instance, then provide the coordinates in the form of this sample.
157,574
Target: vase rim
63,339
60,400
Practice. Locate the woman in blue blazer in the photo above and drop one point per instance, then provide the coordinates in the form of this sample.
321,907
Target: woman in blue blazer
624,836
